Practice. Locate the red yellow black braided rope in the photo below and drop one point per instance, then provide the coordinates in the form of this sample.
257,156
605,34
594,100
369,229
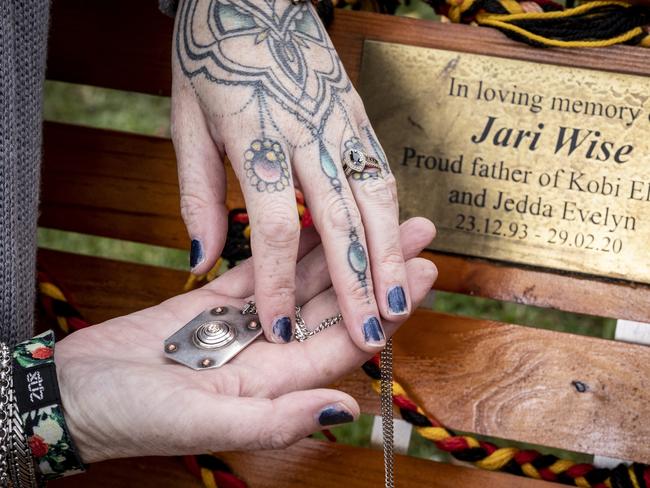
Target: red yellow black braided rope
486,455
540,23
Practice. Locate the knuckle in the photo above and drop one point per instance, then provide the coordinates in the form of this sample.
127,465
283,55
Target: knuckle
282,290
340,213
192,207
377,191
278,438
277,224
359,291
392,256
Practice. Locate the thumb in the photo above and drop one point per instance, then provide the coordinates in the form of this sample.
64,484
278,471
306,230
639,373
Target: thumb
202,182
278,423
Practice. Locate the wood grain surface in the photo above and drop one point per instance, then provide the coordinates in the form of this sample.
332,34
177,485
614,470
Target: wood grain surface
350,467
146,472
479,376
125,186
309,463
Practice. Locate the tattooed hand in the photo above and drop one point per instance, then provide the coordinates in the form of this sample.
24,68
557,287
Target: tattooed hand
260,82
122,397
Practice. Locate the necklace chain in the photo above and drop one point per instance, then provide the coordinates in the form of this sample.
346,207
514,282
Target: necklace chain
303,333
386,365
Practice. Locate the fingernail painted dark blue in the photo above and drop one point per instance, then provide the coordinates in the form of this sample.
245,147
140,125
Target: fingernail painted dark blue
372,330
196,253
282,328
333,416
396,300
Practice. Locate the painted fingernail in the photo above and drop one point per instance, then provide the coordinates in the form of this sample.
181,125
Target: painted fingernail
372,332
196,253
397,301
334,414
282,329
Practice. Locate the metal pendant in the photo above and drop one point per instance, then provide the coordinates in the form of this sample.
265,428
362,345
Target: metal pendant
213,338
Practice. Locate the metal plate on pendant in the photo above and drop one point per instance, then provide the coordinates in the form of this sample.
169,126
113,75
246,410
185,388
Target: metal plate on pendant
212,338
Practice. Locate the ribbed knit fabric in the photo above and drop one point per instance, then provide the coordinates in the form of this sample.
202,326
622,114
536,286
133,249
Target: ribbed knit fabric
23,42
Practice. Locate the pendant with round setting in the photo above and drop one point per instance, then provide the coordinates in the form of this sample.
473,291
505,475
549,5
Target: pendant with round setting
215,334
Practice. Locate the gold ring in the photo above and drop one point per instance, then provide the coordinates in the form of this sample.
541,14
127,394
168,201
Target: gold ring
356,161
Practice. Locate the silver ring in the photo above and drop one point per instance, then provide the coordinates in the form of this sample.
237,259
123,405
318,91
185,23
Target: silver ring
356,161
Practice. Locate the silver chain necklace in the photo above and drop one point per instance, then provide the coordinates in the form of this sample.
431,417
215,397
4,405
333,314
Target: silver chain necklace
215,336
386,391
386,365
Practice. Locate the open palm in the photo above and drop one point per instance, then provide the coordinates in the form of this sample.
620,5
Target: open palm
123,398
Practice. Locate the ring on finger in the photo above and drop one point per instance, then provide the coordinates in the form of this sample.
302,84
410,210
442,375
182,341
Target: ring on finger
356,161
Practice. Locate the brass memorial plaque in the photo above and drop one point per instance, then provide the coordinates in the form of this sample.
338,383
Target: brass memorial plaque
517,161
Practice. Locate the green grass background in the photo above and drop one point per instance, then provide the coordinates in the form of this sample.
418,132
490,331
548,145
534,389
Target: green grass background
147,114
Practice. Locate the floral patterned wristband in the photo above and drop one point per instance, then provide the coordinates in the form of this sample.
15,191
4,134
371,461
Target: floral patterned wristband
39,403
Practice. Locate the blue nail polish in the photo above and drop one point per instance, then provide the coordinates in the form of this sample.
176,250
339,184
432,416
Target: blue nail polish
282,329
196,253
333,415
397,300
372,332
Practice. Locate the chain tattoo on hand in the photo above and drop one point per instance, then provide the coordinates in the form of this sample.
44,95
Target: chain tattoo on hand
282,52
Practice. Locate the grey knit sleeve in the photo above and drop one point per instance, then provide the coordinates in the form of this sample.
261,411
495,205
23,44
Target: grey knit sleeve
168,7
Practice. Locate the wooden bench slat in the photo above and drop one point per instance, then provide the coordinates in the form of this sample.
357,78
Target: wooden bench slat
114,44
518,383
324,465
308,463
114,184
123,33
147,472
125,186
111,184
479,376
529,286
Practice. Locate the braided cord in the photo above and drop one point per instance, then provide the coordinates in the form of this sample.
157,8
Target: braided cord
598,23
540,23
486,455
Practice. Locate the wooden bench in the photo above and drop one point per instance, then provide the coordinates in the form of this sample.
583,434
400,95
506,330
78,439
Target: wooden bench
478,376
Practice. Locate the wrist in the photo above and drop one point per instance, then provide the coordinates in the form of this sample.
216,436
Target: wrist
39,403
80,429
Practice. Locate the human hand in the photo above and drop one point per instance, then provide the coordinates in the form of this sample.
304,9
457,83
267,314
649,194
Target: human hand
123,398
261,83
